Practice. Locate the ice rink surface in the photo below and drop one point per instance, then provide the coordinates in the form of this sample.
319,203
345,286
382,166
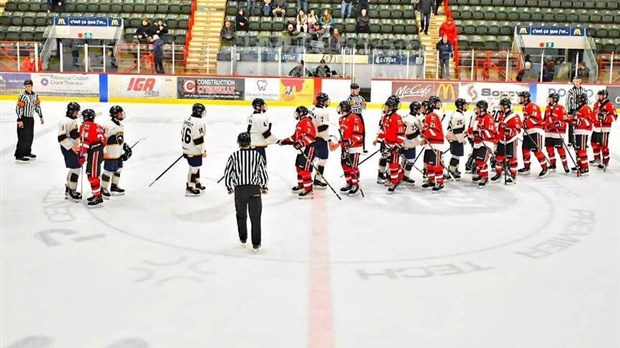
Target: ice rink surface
532,265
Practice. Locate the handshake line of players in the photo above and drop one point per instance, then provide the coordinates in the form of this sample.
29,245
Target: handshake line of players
494,138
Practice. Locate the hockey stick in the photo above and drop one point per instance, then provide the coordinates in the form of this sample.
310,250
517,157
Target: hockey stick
533,142
440,160
365,159
564,144
313,167
167,169
136,143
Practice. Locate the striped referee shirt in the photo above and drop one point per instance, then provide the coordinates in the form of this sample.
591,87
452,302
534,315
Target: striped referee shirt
27,105
571,100
245,167
358,104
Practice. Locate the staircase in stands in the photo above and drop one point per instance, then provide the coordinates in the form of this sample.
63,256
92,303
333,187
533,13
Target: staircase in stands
207,21
430,45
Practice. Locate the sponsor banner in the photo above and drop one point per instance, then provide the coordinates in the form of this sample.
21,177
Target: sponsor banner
491,92
410,91
335,58
210,88
543,91
13,83
551,31
266,88
380,90
337,89
75,85
614,95
297,89
88,21
136,86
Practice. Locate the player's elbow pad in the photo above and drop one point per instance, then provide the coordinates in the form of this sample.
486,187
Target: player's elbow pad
323,128
62,137
199,141
74,134
267,133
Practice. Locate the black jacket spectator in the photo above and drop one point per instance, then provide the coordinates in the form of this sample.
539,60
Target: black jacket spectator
363,22
242,23
145,31
228,33
426,6
444,49
279,8
323,70
300,70
160,28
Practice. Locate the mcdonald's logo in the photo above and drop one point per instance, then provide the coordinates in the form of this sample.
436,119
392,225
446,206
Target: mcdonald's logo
115,22
446,91
61,21
523,30
577,32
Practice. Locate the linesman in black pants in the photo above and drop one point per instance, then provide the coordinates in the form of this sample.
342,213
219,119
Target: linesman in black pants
246,176
27,104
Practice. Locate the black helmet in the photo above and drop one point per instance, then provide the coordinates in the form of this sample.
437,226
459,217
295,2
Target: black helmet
603,92
483,105
28,82
244,139
393,102
115,110
505,102
459,103
72,107
301,111
321,99
355,86
430,104
435,99
257,102
88,114
414,107
198,110
555,97
344,106
426,105
582,99
524,94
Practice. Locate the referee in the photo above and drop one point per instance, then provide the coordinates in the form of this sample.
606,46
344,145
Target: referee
571,106
246,176
27,104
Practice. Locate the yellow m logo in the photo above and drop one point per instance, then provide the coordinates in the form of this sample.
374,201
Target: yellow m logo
446,92
523,31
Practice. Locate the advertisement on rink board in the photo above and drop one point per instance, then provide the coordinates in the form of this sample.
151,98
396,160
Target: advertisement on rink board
13,83
297,90
492,92
136,86
410,91
265,88
614,95
337,89
210,88
541,92
74,85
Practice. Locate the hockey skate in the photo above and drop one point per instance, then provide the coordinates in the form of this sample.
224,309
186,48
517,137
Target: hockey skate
437,188
496,176
319,184
566,170
381,179
543,173
510,180
105,193
354,190
296,189
117,191
476,177
483,183
191,192
393,187
407,180
73,196
428,184
306,195
32,156
95,202
601,166
255,248
22,160
584,171
346,188
524,171
552,167
198,186
595,162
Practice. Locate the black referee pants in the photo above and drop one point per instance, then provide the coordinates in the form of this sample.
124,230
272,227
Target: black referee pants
25,136
248,196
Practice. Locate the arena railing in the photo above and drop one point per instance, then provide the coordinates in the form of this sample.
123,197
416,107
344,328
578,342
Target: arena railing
489,65
609,67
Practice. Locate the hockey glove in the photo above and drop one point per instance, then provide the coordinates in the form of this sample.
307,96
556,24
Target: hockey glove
82,160
297,145
347,143
128,152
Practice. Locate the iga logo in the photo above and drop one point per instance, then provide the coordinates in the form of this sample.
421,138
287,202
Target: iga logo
189,86
141,84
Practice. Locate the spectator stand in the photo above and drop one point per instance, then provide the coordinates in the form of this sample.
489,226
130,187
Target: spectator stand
13,53
609,68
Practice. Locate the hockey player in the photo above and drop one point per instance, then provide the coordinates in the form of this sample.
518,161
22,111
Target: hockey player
456,136
533,128
412,140
93,141
259,127
582,121
69,140
484,134
433,138
358,105
392,134
320,116
116,151
303,140
605,114
381,178
556,120
351,140
509,127
193,143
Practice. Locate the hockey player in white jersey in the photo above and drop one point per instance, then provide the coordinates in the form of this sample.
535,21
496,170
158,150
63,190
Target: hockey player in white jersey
69,140
412,140
115,152
320,117
193,141
456,136
259,128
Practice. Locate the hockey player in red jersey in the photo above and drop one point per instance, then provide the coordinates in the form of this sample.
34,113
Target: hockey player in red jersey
509,127
392,134
556,120
91,151
582,121
303,140
351,143
533,128
484,134
604,113
433,139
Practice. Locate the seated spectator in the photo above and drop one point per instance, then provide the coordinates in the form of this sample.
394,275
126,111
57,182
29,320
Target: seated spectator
242,22
291,34
582,72
312,18
267,10
302,22
326,20
279,8
335,41
363,22
228,33
548,71
322,70
316,31
161,28
300,70
29,64
448,28
144,31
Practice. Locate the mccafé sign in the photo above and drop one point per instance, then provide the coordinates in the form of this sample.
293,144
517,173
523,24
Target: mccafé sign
410,91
